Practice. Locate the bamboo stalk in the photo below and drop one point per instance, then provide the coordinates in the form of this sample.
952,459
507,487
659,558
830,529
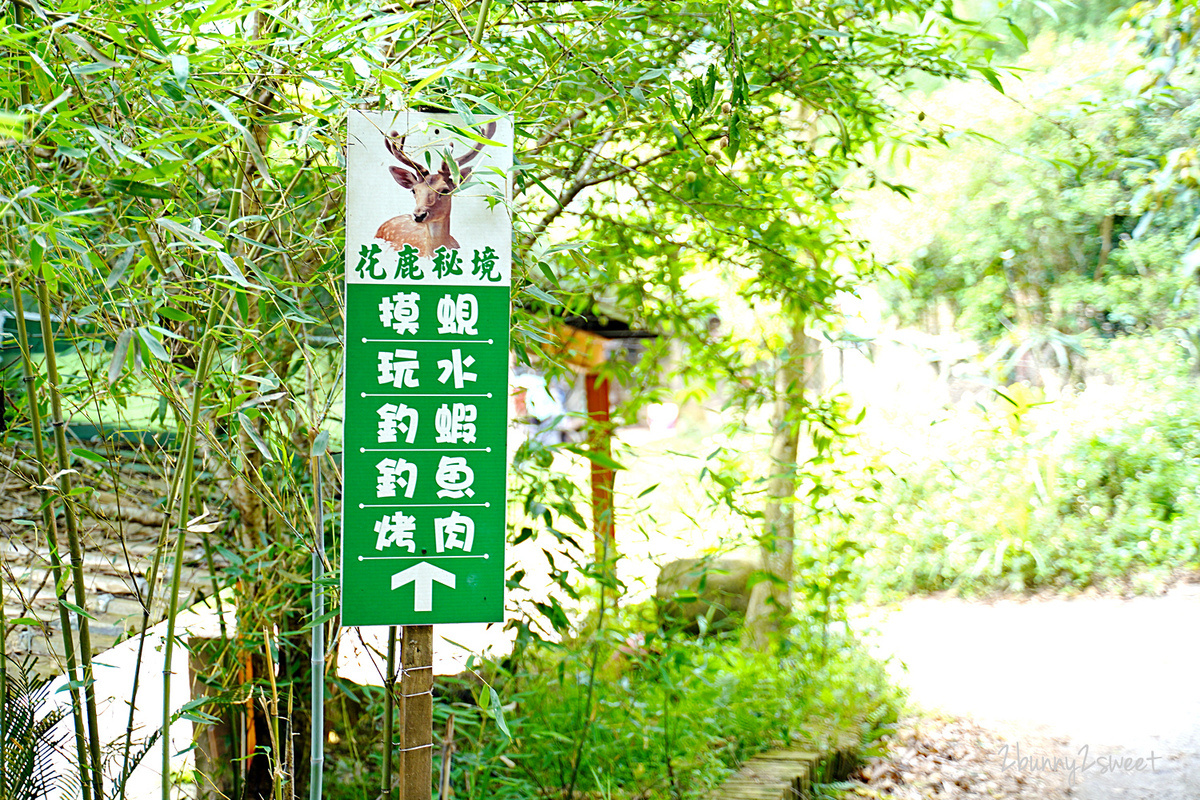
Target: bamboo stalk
152,582
3,690
60,584
447,756
277,773
389,699
188,449
64,482
39,450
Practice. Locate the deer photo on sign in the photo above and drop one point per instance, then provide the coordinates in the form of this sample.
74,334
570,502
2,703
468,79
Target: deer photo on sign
428,226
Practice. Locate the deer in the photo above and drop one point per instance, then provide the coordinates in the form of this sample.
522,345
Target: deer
427,228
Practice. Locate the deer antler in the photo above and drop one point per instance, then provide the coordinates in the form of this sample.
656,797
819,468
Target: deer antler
397,150
463,160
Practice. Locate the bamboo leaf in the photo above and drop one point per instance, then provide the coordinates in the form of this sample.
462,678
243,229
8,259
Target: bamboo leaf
154,345
428,79
119,356
185,232
497,711
89,455
541,295
72,607
138,189
598,458
119,268
263,447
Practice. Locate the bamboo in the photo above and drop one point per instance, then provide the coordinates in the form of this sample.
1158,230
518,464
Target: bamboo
60,584
389,700
64,483
3,689
277,774
187,453
152,581
447,755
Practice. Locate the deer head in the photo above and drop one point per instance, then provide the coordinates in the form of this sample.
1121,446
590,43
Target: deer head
431,190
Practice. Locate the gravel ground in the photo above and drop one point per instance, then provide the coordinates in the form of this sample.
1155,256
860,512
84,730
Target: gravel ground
1106,684
951,758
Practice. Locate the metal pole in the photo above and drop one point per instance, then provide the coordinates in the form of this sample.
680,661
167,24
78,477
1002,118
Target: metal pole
317,739
389,704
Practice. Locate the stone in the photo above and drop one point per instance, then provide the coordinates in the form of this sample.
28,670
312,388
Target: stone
717,589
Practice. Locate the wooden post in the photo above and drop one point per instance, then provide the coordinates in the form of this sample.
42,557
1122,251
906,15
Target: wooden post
416,700
602,476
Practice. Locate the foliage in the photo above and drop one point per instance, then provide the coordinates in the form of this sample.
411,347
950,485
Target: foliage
172,174
630,713
1076,211
29,742
1098,490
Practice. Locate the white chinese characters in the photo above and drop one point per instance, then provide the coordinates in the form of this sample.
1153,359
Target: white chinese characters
393,473
454,477
455,367
455,423
396,418
399,368
398,529
399,312
458,315
456,531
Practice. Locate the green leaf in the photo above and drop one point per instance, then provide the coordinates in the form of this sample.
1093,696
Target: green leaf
320,444
119,268
540,295
89,455
498,712
168,312
263,447
151,33
428,79
185,232
473,135
72,607
182,69
1018,34
138,189
990,76
321,620
36,251
120,353
12,126
598,458
155,346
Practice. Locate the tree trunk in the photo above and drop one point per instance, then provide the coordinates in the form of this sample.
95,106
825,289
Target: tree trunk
771,598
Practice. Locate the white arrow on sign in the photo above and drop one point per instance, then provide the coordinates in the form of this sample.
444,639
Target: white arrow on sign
423,575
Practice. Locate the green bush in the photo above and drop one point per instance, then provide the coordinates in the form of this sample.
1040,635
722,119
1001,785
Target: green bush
627,714
1100,489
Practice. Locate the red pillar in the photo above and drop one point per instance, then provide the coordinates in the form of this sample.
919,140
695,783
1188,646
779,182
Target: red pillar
602,476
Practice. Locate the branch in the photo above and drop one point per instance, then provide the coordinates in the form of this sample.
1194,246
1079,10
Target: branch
578,184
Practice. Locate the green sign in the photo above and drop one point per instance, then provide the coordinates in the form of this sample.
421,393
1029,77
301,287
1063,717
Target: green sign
428,274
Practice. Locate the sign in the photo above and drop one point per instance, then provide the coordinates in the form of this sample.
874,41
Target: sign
428,277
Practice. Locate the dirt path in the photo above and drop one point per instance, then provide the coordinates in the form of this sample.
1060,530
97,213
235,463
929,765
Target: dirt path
1098,683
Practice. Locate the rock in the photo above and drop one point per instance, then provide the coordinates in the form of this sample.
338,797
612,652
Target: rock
713,588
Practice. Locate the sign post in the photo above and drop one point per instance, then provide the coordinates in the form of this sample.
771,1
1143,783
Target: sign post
428,280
